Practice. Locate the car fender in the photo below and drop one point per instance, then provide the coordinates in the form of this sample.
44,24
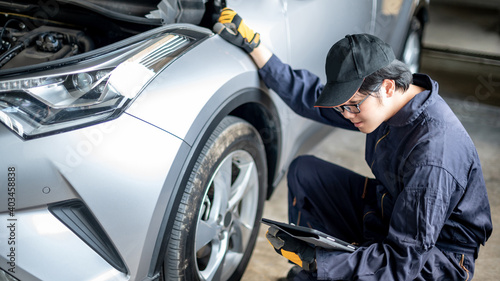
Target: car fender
189,93
196,83
189,98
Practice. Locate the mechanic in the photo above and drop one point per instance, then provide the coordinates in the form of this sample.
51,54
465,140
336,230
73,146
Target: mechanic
426,212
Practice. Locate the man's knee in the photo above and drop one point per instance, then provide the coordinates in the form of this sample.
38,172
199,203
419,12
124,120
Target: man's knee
301,162
299,168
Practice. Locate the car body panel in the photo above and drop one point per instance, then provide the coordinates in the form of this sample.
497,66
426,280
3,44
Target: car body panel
225,72
128,171
133,178
218,75
309,37
41,236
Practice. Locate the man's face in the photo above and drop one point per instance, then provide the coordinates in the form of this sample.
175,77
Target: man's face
372,113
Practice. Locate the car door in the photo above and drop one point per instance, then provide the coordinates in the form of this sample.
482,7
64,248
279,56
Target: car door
315,25
266,17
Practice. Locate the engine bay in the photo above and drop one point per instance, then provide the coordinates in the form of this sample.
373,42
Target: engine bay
22,47
34,32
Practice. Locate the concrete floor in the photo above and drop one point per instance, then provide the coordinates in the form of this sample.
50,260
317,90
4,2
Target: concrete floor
473,92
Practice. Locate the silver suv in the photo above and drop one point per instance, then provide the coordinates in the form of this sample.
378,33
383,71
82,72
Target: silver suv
138,145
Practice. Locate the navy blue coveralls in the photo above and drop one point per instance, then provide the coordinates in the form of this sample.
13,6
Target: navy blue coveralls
426,212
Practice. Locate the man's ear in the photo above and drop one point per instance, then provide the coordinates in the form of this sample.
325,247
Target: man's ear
388,87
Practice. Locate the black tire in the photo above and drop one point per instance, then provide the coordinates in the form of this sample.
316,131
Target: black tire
219,216
412,51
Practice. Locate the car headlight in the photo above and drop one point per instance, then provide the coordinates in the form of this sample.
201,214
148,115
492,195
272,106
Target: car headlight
45,103
4,276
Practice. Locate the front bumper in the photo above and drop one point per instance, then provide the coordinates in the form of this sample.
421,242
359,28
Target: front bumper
117,169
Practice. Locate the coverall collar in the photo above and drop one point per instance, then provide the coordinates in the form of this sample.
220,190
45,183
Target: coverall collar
418,104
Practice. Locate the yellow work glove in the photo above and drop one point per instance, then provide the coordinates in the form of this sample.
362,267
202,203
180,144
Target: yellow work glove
298,252
233,29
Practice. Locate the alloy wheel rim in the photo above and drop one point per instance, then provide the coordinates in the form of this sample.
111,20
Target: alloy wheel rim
226,217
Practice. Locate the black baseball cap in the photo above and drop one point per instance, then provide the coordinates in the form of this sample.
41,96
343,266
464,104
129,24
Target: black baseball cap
348,62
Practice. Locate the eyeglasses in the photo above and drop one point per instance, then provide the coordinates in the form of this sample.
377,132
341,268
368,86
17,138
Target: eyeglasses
351,108
354,108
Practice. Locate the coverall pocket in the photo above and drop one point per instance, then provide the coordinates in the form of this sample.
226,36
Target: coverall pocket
373,228
466,263
412,215
444,266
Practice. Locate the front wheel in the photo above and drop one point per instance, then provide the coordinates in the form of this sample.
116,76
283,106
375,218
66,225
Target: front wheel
219,216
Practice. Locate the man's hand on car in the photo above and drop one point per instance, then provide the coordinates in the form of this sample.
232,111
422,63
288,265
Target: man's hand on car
233,29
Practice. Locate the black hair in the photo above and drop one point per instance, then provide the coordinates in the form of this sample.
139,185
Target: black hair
396,70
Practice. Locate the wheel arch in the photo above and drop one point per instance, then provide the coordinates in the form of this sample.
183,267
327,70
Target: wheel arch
265,120
254,106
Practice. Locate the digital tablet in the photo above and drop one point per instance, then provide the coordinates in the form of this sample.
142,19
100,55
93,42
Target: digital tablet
312,236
